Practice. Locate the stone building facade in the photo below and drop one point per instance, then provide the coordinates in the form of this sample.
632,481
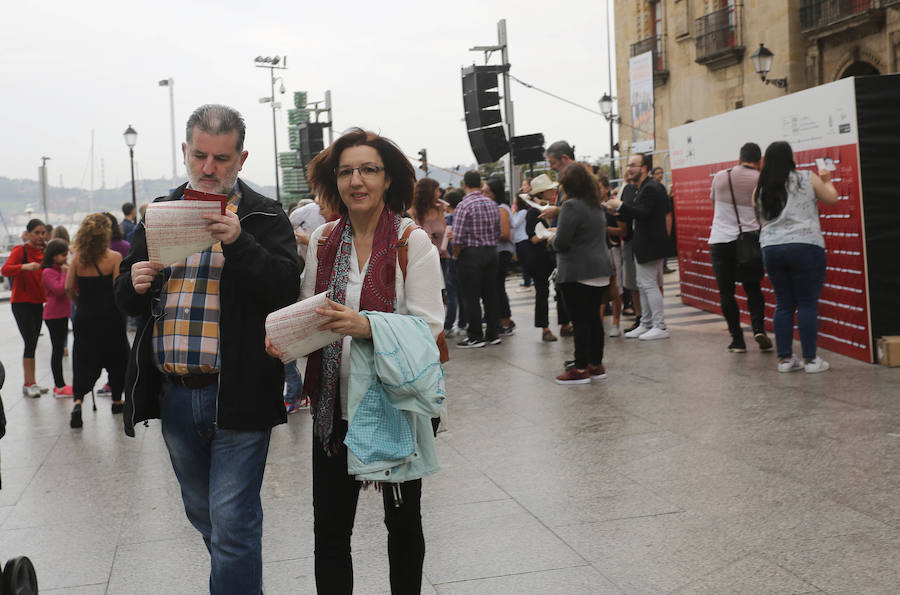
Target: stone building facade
702,51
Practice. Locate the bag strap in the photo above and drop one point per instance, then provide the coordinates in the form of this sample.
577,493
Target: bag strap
734,204
402,244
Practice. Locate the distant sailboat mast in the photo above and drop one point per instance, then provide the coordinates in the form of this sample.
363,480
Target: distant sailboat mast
91,189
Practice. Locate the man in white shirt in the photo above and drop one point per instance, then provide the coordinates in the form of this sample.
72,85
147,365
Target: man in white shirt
732,196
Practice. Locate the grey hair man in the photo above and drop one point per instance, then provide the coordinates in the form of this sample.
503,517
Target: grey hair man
199,362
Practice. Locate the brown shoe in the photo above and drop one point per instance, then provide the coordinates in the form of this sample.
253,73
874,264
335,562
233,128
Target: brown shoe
597,372
566,330
548,336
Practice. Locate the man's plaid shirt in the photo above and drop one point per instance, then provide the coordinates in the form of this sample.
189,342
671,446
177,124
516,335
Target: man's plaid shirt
186,335
476,221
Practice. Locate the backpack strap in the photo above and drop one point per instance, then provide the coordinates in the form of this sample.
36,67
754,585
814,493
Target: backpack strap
329,227
403,248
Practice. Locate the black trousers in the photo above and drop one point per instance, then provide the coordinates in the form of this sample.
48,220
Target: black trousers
584,302
28,318
503,261
563,313
335,495
724,263
59,331
477,269
542,264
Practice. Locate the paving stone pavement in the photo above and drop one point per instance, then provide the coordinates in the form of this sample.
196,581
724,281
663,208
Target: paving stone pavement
689,470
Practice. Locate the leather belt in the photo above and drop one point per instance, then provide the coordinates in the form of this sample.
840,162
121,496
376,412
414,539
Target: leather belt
194,380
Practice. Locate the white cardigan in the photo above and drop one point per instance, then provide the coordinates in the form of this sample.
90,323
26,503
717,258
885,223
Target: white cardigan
419,296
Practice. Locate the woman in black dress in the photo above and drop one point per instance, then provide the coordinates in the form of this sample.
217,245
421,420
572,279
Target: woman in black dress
99,329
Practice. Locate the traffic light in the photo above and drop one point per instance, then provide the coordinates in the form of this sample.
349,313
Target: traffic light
423,159
481,101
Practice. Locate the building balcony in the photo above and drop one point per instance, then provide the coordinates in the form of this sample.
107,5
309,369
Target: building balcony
718,37
657,45
823,18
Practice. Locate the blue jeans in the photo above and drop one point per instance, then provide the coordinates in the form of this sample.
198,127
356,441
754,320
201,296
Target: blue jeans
220,473
797,273
293,383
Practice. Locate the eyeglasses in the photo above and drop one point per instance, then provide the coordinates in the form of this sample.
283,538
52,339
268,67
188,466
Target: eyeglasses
367,171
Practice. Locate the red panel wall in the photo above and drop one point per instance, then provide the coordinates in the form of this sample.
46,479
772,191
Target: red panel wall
843,315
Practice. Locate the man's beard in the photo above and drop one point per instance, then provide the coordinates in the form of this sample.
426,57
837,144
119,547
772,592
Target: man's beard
225,184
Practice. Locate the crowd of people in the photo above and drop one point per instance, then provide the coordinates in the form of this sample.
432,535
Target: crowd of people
405,265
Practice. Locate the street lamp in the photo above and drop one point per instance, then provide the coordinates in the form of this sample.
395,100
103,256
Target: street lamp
42,171
762,63
273,63
606,108
170,83
130,135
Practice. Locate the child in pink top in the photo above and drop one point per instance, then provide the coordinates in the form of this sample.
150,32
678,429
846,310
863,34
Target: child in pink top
57,309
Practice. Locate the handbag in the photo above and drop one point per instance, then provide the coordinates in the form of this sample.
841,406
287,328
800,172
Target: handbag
747,249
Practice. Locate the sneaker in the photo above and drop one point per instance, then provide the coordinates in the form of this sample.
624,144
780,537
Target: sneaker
548,336
737,347
75,420
816,365
32,391
44,390
303,403
789,364
63,392
597,372
104,391
291,407
573,376
566,330
508,331
470,343
615,331
637,331
494,341
655,333
764,342
637,324
569,363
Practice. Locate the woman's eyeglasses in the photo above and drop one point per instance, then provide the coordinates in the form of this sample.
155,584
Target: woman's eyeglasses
367,171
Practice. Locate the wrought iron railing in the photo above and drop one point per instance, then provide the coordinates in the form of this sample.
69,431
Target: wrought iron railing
819,13
655,44
717,32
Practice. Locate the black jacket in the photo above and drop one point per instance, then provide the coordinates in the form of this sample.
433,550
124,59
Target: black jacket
648,211
261,274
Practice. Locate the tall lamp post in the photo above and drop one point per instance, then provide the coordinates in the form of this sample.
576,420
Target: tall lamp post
606,103
130,135
42,170
273,64
170,83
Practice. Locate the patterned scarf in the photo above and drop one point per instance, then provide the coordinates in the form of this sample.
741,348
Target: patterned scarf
323,368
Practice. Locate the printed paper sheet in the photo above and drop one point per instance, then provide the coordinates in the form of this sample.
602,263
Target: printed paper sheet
176,229
294,329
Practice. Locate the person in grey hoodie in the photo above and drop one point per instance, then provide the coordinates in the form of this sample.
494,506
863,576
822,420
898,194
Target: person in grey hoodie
584,268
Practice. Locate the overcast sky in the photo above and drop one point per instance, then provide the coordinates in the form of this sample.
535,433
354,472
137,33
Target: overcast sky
71,67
